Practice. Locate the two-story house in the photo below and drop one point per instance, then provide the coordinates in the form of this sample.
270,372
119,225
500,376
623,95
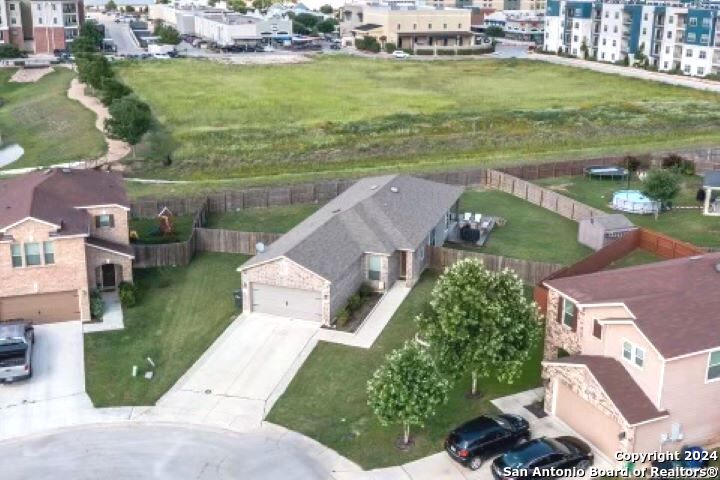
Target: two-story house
63,233
632,356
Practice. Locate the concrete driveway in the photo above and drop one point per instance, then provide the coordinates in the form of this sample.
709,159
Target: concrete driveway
239,378
160,452
58,367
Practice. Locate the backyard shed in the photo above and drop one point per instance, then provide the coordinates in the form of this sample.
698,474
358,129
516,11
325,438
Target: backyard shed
597,232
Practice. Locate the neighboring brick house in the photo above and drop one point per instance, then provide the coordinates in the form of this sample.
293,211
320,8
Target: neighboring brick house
632,356
374,233
63,233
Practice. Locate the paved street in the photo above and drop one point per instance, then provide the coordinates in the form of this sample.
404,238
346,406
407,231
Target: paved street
120,34
159,452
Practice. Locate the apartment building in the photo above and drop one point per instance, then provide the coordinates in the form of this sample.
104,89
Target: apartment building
664,35
411,25
55,23
11,25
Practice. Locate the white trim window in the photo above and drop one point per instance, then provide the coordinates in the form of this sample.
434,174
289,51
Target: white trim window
713,371
633,354
374,267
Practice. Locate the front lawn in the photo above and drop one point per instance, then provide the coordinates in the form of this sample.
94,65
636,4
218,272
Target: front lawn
344,114
277,219
148,230
45,122
531,232
689,225
327,399
181,311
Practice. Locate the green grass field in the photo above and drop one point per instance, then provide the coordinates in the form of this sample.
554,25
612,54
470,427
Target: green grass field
148,230
271,219
348,115
45,122
327,399
531,232
180,312
688,225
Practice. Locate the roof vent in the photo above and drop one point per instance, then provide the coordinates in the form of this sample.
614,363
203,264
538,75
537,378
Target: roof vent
696,257
337,210
394,189
373,187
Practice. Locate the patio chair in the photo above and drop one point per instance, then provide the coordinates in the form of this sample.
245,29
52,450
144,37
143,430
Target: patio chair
478,217
468,216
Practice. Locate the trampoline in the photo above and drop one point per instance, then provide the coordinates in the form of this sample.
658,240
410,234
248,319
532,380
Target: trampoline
633,201
605,172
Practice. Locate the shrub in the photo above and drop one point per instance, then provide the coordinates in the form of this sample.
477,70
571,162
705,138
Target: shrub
128,294
354,302
445,51
424,51
369,44
97,307
679,164
390,47
9,51
343,316
112,89
634,164
365,290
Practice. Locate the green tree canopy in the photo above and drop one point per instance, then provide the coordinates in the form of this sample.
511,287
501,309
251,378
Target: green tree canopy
261,5
307,19
111,5
167,34
112,89
93,69
92,31
407,388
238,6
129,120
481,320
326,9
9,51
326,26
494,31
661,185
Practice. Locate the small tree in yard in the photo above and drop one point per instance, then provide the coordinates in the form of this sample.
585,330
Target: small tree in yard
9,51
111,6
167,34
93,70
129,120
112,89
661,186
407,389
481,320
326,9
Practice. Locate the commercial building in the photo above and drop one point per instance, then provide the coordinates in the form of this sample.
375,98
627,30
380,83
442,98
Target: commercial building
410,25
222,27
667,36
523,25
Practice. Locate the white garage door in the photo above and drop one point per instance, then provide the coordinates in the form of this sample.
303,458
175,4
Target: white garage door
287,302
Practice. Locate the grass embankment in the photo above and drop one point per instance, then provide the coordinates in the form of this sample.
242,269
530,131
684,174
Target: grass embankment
45,122
353,115
327,399
689,225
181,311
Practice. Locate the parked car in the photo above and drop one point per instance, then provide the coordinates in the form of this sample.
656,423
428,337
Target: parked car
268,48
161,56
335,46
16,347
477,440
542,453
400,54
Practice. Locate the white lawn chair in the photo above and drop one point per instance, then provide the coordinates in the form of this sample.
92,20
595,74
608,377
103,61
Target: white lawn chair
478,217
468,216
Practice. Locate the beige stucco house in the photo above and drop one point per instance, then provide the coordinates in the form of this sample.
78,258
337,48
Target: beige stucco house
63,233
375,233
632,356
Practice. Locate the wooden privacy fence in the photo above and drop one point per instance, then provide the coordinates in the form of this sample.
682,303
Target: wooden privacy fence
529,271
543,197
231,241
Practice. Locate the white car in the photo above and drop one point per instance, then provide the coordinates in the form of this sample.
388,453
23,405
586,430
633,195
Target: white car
268,48
400,54
161,56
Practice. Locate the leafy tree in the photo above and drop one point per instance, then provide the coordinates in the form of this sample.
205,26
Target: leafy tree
390,47
83,46
584,49
93,69
167,34
111,6
301,28
481,320
129,120
129,9
261,5
407,388
92,31
112,89
307,19
494,31
9,51
367,43
238,6
326,9
661,185
326,26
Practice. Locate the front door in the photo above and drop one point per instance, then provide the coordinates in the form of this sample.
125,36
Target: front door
403,265
108,275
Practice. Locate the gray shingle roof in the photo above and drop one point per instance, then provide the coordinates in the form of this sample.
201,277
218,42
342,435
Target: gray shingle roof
613,221
711,179
375,215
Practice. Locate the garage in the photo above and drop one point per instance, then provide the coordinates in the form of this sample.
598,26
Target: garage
287,302
589,422
41,308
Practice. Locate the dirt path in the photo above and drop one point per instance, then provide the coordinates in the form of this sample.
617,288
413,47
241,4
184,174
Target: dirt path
30,75
117,150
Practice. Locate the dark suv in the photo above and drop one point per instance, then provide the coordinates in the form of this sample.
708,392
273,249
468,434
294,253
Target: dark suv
530,459
477,440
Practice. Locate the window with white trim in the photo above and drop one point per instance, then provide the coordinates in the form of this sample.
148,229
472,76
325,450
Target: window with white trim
569,317
374,265
713,372
32,254
16,253
633,353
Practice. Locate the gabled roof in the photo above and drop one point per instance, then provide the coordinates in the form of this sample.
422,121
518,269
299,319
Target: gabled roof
676,303
53,196
375,215
626,395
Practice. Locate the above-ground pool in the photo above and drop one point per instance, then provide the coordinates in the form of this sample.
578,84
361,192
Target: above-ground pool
633,201
601,171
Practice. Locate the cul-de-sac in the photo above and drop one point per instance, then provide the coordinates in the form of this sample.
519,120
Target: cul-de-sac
359,239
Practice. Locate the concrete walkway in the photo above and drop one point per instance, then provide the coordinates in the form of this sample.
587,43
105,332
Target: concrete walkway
375,322
678,80
112,316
